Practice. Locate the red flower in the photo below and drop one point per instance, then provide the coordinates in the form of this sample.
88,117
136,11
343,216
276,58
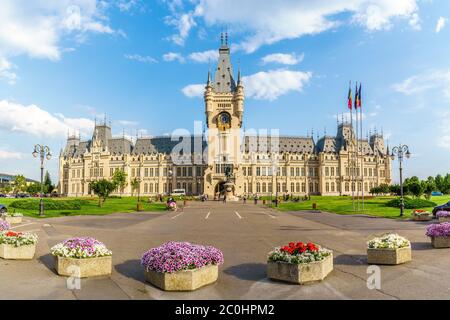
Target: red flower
13,234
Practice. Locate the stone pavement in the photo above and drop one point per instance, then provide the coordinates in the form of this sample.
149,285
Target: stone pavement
245,233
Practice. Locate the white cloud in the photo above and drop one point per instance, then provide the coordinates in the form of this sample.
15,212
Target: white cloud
440,24
269,85
10,155
36,121
444,138
194,90
263,85
424,82
139,58
283,58
204,56
36,28
172,56
6,72
267,22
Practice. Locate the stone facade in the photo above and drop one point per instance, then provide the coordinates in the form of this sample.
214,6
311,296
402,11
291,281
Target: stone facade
256,163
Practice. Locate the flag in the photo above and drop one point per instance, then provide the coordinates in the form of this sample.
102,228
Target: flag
359,104
356,96
350,102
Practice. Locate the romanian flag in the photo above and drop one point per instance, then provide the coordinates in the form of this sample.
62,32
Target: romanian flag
350,101
356,97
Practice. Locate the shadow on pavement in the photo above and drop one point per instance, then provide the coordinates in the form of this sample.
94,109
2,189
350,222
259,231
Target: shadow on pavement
350,260
421,246
131,269
248,271
48,260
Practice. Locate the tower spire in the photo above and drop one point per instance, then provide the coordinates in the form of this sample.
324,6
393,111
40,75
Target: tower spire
239,73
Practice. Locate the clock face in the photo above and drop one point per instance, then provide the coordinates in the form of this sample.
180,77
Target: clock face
224,121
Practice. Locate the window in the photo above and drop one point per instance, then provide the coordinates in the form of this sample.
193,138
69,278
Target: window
292,171
190,173
292,187
297,171
332,171
327,171
258,187
303,187
264,187
178,172
297,187
258,171
244,171
146,172
332,187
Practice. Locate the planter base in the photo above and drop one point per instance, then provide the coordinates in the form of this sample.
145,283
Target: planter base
186,280
10,252
422,217
300,273
389,256
83,268
440,242
444,219
13,220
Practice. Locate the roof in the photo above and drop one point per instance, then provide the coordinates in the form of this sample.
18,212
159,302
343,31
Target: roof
278,144
223,80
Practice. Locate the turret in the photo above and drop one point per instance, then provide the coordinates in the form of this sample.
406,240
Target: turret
239,96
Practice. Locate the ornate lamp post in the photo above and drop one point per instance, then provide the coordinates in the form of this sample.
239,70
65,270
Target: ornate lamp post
400,152
44,153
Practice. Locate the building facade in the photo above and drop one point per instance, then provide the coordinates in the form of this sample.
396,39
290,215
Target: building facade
257,163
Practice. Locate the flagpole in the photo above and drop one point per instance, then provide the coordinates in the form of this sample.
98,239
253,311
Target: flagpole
351,158
362,153
357,146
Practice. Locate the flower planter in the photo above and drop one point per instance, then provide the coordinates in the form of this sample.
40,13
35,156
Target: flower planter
440,242
83,268
389,256
184,280
10,252
300,273
13,220
443,219
422,217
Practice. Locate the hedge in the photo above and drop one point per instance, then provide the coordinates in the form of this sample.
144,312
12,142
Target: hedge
411,203
49,204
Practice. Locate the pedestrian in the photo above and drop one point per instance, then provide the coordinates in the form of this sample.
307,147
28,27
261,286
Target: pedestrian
224,199
245,199
256,199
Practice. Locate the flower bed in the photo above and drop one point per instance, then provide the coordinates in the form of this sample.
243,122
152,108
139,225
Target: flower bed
299,263
181,266
13,217
443,216
82,257
421,215
439,234
4,225
17,245
390,249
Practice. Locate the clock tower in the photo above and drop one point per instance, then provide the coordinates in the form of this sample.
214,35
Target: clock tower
224,108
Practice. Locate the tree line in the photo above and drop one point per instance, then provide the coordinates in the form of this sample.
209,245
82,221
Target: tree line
415,187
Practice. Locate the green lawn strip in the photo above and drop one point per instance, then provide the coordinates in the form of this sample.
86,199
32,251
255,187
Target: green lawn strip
113,205
343,205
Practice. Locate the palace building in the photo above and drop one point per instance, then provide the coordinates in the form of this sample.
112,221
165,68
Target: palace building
224,157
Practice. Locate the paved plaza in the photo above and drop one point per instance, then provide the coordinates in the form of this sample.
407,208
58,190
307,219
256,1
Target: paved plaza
245,234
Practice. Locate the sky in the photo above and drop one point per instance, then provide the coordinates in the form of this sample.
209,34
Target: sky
66,63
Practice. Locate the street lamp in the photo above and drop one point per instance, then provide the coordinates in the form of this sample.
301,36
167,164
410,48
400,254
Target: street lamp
44,153
401,151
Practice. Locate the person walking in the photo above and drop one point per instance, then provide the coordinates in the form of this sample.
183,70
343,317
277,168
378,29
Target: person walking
245,199
224,199
256,199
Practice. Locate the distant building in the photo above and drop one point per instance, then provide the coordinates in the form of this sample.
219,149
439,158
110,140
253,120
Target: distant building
9,178
254,164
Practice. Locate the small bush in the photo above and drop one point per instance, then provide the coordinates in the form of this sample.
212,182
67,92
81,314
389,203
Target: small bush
49,204
411,203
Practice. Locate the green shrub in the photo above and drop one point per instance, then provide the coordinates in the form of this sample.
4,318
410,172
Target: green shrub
49,204
411,203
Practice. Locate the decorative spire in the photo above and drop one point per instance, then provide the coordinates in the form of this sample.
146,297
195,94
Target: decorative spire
208,82
239,73
104,119
221,38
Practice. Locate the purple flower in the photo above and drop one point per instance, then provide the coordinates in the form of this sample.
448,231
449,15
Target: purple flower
438,230
443,214
175,256
4,225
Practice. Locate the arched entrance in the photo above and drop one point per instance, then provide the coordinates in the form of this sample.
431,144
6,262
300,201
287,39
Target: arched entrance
220,188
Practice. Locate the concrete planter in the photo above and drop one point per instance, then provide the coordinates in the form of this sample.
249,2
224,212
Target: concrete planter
300,273
83,268
444,219
422,217
389,256
440,242
185,280
10,252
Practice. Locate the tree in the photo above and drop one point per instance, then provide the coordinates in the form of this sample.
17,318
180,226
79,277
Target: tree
48,186
395,189
20,183
102,188
7,189
135,184
34,188
429,186
416,188
120,180
384,188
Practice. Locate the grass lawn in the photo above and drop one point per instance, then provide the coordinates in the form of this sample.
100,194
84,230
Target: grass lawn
113,205
343,205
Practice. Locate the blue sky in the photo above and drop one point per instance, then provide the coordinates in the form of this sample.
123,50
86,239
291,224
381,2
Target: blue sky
63,63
